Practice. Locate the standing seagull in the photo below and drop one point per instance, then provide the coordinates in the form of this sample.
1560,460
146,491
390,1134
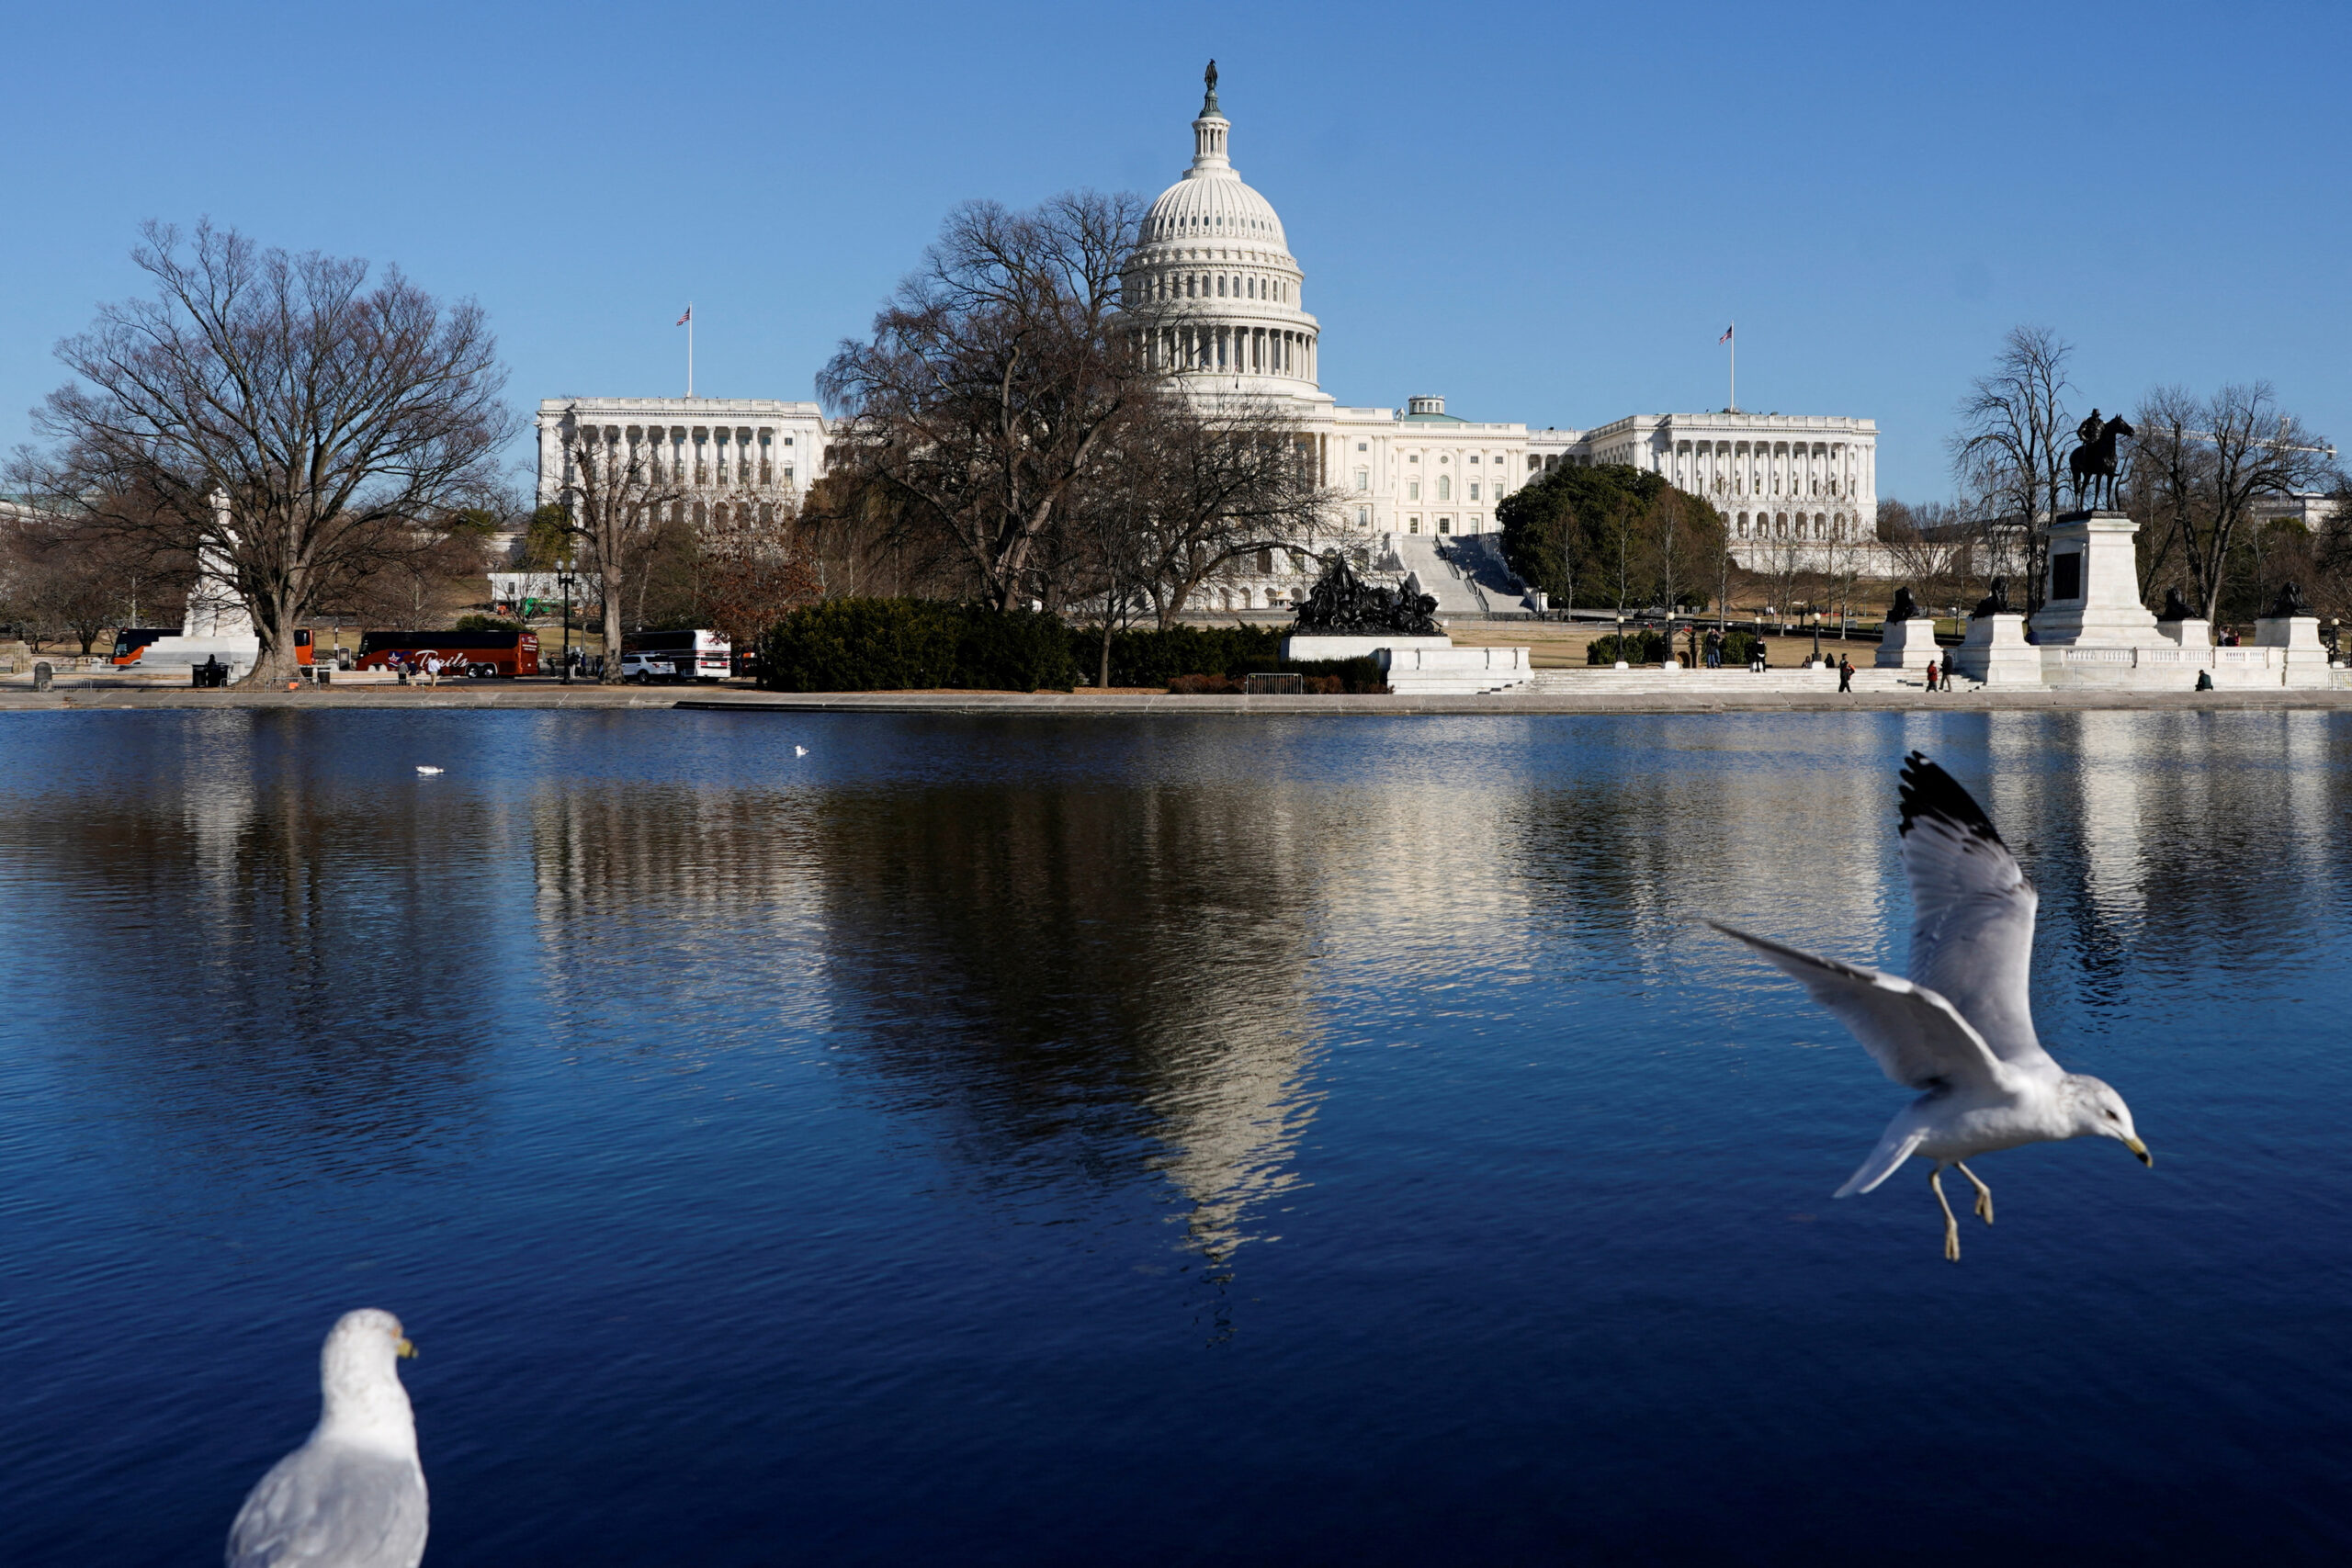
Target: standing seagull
353,1496
1961,1029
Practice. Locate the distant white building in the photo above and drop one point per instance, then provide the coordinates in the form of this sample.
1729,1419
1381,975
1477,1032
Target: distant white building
723,452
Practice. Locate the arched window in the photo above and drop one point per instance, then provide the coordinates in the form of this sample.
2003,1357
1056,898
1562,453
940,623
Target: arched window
1743,524
1780,525
1445,487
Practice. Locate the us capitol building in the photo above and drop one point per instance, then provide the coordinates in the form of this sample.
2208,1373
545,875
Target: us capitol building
1213,260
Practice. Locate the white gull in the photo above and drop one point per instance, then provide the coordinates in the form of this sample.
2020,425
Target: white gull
353,1496
1961,1029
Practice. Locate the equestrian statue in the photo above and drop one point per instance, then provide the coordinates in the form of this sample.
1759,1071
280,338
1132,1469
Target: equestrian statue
2094,464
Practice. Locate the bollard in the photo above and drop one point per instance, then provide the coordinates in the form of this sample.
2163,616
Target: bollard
41,673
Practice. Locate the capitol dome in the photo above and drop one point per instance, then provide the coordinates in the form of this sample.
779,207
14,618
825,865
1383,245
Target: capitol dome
1212,268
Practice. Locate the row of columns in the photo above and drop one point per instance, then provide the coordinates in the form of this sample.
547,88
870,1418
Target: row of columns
1249,351
1775,526
1792,469
722,454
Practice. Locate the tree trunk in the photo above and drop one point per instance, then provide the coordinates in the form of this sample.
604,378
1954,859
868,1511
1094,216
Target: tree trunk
612,675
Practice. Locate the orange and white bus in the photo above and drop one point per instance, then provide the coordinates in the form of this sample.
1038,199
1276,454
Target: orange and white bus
479,654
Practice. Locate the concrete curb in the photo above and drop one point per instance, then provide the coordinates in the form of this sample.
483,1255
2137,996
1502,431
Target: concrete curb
89,699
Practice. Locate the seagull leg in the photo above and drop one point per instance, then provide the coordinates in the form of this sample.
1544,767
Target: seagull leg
1951,1225
1984,1194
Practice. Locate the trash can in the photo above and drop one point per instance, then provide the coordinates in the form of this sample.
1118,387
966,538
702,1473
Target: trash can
41,673
322,674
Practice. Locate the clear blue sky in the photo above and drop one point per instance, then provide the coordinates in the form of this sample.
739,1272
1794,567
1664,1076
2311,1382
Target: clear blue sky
1543,213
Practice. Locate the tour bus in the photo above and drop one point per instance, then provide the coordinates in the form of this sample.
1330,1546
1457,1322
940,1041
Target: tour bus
478,654
152,647
674,656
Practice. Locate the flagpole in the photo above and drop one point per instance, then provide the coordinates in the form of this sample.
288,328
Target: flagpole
1731,337
690,350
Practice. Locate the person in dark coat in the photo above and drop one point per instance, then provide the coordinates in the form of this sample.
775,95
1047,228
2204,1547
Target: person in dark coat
1845,674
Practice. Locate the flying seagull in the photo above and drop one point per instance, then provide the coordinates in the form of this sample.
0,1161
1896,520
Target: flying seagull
353,1496
1961,1029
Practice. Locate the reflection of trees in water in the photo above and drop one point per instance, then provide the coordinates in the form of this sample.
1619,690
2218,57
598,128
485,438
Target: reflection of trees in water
1793,852
2212,834
676,893
1067,977
2180,839
287,977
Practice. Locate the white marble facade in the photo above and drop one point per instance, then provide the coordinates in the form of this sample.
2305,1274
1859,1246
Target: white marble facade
1228,302
717,452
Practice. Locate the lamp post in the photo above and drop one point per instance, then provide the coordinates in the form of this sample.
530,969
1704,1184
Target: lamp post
563,576
1814,611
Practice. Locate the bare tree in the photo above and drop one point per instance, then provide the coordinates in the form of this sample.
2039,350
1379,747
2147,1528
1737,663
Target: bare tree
2200,467
756,572
1930,545
1222,477
618,492
995,378
2011,450
271,413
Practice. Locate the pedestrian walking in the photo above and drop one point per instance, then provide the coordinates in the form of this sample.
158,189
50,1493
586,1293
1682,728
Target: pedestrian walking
1845,674
399,662
433,670
1932,673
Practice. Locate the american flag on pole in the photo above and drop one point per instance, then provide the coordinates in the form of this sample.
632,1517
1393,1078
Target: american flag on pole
689,316
1726,337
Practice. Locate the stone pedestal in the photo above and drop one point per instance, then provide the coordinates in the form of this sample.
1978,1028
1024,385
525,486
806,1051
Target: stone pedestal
1907,645
2189,633
1310,647
2301,653
1996,652
1455,671
2091,596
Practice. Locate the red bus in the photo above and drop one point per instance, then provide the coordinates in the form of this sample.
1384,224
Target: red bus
479,654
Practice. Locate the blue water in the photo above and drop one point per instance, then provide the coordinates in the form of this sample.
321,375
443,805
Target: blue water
1172,1140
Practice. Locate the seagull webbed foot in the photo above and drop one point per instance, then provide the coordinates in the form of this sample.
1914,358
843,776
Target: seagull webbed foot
1984,1194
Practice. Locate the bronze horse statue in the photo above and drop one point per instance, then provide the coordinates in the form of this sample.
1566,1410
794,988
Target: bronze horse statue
2093,464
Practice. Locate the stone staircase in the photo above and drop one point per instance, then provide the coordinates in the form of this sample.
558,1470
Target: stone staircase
1417,557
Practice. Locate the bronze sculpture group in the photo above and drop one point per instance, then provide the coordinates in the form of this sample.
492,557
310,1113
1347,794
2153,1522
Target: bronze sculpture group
1343,604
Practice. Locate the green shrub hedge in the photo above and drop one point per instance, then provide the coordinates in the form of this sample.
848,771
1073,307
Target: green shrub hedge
1642,648
888,645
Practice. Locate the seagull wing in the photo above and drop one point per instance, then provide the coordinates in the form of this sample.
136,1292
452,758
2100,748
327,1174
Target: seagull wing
327,1505
1971,933
1919,1039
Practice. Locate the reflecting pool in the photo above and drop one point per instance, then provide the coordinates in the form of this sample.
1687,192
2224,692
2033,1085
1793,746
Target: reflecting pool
1010,1141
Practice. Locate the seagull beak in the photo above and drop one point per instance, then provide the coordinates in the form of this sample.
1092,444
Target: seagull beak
2137,1147
407,1353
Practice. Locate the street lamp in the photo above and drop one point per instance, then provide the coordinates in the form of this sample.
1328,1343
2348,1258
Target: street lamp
1814,611
563,576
